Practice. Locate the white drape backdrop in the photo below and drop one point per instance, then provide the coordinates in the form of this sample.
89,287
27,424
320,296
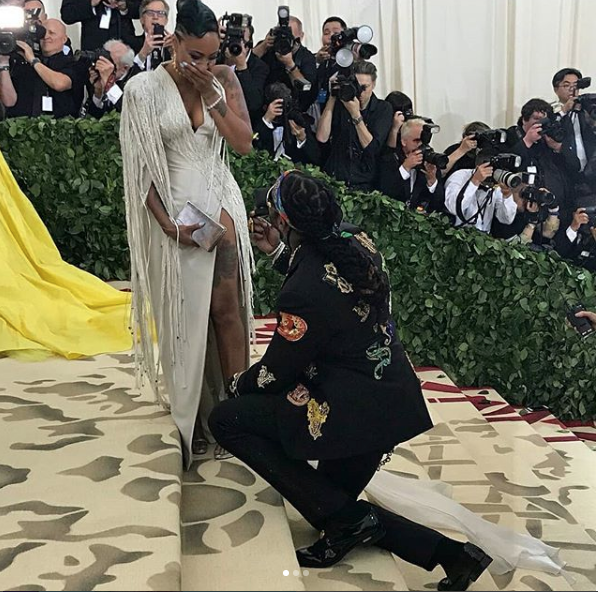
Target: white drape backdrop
460,60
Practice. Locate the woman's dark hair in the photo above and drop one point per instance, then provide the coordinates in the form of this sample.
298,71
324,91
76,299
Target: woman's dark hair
399,101
313,211
475,126
534,106
195,19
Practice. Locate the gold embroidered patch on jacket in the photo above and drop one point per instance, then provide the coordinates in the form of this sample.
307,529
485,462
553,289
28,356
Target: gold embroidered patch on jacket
291,327
317,414
365,241
332,278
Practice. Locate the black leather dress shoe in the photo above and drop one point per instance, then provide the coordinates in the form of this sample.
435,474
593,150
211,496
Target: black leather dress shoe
338,539
468,567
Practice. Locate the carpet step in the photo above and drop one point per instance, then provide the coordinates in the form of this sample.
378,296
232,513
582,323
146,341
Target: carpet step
235,533
90,479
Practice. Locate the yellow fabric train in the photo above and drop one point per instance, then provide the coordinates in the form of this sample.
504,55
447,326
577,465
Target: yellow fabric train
46,305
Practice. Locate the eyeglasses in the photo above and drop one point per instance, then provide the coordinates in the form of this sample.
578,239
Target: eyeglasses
567,84
156,13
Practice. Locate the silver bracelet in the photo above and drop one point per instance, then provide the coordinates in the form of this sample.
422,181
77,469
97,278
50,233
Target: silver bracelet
277,251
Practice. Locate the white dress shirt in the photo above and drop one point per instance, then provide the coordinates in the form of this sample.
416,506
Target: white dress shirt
277,137
474,198
412,174
580,149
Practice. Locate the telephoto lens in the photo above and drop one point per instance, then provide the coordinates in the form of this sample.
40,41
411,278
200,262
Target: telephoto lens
507,178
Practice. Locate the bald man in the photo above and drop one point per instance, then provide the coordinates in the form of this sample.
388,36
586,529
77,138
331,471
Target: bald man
33,85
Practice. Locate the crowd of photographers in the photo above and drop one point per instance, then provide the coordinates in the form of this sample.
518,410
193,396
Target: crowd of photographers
533,183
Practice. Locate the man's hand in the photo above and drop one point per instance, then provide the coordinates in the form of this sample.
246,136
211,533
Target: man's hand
274,110
353,107
413,160
263,47
591,316
505,190
151,42
482,172
263,235
95,2
297,131
26,51
105,69
568,105
286,60
397,121
579,219
168,40
533,134
467,144
323,54
431,171
96,81
532,207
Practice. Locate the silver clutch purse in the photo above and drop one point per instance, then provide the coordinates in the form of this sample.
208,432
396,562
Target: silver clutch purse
209,235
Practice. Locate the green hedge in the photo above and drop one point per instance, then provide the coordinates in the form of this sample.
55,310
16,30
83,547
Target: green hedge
488,313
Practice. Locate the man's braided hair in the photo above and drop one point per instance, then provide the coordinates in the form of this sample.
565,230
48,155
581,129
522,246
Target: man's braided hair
313,211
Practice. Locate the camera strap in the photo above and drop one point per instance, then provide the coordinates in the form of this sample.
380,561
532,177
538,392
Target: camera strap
481,208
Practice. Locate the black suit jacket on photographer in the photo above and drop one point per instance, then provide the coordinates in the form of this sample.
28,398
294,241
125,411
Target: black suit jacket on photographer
306,62
588,137
253,83
30,88
581,251
394,185
107,105
348,161
309,153
92,36
556,170
325,71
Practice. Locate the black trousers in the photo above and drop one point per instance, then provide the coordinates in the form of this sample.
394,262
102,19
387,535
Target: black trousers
247,427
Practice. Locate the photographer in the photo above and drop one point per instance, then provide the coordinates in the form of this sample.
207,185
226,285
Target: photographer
355,130
536,220
534,140
580,138
252,73
402,107
475,199
577,242
101,20
407,177
327,66
289,61
108,78
153,46
31,86
284,130
462,156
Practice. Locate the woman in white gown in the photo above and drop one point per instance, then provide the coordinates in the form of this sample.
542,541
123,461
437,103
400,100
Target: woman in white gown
174,124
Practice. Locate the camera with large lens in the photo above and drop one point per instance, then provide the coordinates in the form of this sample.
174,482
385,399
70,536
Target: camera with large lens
234,39
544,198
89,58
284,40
587,102
17,24
438,159
552,128
290,108
507,178
351,43
345,86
